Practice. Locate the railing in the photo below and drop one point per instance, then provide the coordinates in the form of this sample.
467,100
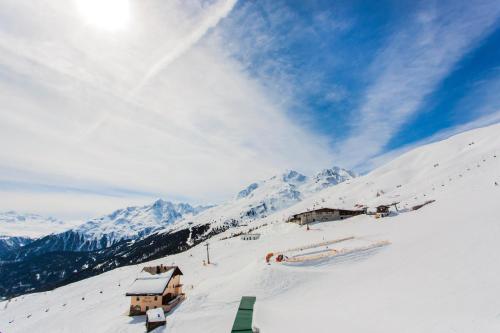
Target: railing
172,303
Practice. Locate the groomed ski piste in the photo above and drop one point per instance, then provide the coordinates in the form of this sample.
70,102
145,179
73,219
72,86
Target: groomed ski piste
312,254
439,273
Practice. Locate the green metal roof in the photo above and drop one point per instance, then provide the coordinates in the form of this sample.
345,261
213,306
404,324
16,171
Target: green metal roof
243,320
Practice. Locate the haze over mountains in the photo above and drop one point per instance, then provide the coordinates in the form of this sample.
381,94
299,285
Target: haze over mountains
30,225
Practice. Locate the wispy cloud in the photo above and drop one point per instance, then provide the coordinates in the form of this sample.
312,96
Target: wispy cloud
419,55
197,98
201,128
480,104
209,21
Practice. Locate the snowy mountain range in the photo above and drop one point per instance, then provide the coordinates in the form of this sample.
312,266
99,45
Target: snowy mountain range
256,201
132,223
122,224
269,196
178,226
436,275
294,185
282,191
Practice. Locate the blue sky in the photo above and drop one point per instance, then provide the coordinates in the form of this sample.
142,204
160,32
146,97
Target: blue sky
111,103
333,52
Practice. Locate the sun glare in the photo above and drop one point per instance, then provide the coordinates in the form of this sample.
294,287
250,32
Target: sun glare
111,15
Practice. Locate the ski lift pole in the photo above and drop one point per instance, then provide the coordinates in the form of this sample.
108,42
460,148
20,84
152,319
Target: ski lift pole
208,255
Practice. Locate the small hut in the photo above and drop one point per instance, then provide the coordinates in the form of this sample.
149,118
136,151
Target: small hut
155,318
250,236
383,210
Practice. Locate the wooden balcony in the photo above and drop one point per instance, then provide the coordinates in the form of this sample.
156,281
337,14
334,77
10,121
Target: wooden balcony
173,302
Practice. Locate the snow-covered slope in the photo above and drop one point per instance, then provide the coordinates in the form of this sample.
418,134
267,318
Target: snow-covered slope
30,225
269,196
439,274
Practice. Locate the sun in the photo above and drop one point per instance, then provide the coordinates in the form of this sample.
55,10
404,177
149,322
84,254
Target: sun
110,15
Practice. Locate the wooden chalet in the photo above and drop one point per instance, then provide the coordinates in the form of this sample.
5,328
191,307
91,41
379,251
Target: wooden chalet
155,287
324,215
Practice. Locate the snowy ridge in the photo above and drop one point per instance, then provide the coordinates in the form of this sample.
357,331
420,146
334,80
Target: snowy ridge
256,201
123,224
8,243
437,275
269,196
134,222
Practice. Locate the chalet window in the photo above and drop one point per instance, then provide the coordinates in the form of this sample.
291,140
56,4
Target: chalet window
156,298
137,298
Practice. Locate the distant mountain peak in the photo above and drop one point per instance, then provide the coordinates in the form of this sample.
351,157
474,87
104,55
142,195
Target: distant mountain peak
291,176
160,202
333,176
132,222
283,190
247,191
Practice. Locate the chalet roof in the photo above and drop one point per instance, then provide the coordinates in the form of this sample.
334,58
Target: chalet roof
327,210
147,284
155,315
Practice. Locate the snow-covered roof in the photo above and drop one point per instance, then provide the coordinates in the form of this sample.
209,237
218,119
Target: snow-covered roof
150,284
155,315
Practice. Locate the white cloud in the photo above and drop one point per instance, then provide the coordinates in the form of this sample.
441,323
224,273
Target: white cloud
71,116
420,54
68,206
210,20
